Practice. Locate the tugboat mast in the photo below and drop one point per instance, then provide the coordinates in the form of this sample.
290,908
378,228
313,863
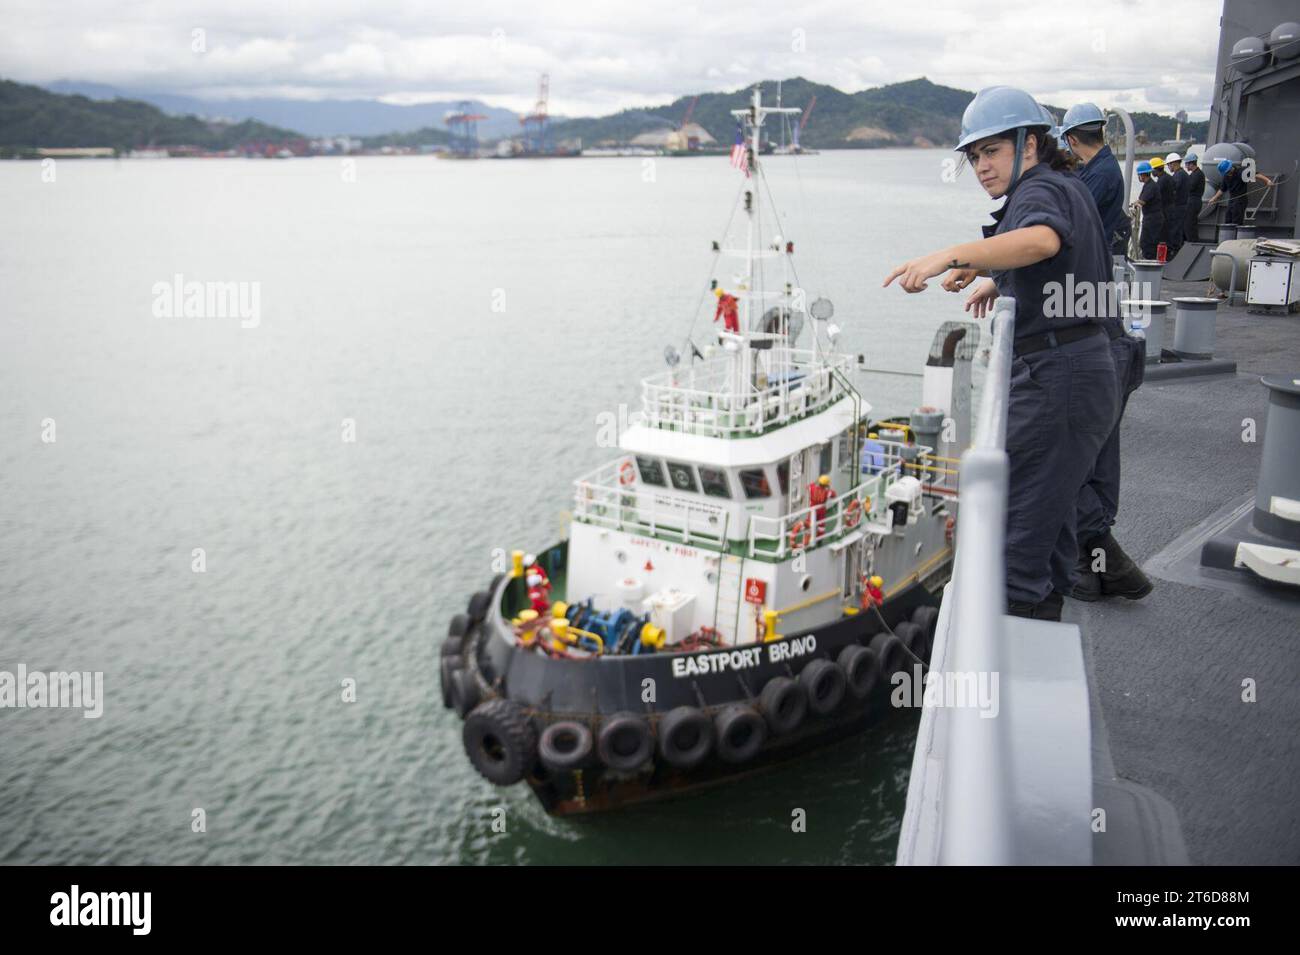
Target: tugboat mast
754,115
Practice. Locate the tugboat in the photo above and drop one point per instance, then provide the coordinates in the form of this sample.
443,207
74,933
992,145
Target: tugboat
739,585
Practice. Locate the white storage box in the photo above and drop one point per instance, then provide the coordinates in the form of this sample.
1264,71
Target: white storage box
672,610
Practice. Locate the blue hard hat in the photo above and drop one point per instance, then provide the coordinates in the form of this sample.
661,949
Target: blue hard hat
1224,165
1054,131
997,109
1144,167
1082,114
1189,158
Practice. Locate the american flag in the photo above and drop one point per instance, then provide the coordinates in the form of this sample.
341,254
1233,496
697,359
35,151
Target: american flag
739,152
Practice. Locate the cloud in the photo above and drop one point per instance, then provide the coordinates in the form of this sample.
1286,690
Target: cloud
604,56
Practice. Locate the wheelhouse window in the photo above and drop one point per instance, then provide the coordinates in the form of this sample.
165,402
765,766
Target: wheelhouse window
783,476
715,482
652,472
824,465
754,481
683,477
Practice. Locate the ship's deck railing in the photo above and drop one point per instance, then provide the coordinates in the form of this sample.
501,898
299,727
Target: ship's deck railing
804,530
977,823
602,499
703,399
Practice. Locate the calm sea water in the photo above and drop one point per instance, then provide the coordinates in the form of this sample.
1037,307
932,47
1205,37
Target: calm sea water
329,560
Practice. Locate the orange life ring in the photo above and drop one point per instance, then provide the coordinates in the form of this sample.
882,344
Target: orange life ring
801,534
626,473
852,513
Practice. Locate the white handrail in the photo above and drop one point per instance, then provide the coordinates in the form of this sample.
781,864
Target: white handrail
977,825
600,498
779,529
704,400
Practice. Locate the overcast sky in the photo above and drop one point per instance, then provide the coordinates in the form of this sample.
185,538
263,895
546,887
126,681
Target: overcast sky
604,55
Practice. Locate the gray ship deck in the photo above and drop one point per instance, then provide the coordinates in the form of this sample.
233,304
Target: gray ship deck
1167,671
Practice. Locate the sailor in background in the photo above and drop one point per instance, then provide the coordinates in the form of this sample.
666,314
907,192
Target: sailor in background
1153,213
873,455
1104,569
819,492
727,310
1084,131
1174,169
1166,187
1235,183
1064,398
1195,193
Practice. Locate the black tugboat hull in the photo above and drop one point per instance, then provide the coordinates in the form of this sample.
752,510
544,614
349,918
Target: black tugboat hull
542,691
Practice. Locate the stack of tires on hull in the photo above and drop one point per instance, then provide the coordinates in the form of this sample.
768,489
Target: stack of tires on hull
584,760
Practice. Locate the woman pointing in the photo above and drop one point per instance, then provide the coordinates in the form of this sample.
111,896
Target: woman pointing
1046,238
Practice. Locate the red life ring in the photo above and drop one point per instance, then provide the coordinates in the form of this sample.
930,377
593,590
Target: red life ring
801,534
852,513
626,473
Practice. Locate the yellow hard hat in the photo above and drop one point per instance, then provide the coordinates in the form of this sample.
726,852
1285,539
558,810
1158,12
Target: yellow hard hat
877,581
1157,163
824,481
718,292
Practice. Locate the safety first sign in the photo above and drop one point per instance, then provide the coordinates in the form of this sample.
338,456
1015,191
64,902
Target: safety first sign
755,591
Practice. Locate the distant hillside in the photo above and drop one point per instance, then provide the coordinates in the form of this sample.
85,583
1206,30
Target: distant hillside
917,112
31,117
912,113
360,118
1158,128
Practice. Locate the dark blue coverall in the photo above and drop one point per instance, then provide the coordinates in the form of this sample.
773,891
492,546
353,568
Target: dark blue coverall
1102,175
1099,496
1064,399
1153,218
1195,191
1165,183
1234,184
1181,186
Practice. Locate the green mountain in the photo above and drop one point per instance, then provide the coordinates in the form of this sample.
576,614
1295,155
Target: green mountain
917,112
912,113
31,117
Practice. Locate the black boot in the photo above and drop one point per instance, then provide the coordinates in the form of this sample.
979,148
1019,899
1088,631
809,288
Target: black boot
1049,608
1122,577
1088,585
